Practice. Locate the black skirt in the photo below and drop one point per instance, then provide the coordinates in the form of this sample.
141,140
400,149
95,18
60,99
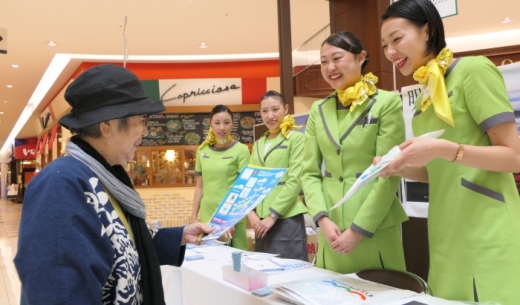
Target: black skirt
287,237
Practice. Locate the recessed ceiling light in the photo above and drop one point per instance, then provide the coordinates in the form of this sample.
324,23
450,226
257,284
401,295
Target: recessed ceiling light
51,43
15,66
1,112
9,86
5,102
203,45
507,20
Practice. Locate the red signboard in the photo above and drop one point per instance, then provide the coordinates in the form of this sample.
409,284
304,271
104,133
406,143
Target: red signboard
25,152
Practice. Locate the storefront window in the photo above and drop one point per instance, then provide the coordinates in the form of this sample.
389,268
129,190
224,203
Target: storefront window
139,169
167,166
164,166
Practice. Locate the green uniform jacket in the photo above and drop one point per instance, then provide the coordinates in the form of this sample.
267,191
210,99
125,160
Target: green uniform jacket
347,148
219,169
474,215
284,200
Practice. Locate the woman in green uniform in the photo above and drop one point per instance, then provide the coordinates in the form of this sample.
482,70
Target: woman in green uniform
219,161
278,219
474,211
345,131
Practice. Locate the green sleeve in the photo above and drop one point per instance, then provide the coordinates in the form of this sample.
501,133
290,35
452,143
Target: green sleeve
243,157
381,197
311,171
198,165
485,93
292,187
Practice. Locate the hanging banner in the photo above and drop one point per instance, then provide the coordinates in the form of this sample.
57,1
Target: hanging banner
446,8
43,144
53,135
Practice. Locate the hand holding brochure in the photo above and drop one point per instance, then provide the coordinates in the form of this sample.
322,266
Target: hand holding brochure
253,184
373,170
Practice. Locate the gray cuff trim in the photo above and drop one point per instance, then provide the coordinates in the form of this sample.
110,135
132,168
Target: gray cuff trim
327,175
361,231
497,119
281,183
198,173
275,213
318,216
482,190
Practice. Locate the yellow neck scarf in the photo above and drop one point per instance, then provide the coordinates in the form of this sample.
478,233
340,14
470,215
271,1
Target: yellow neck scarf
286,127
434,92
358,94
211,139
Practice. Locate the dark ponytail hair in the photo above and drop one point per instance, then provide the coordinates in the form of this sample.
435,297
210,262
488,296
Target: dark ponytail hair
219,109
273,94
420,13
348,42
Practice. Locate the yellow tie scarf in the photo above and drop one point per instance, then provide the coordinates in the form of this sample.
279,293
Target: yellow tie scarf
211,139
358,94
287,126
434,92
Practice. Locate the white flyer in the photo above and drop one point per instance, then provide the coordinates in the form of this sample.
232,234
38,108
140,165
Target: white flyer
373,170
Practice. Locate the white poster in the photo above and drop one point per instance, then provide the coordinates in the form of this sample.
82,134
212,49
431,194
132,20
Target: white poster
511,75
201,92
408,95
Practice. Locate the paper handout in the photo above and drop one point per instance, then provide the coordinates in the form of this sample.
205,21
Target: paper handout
253,184
373,170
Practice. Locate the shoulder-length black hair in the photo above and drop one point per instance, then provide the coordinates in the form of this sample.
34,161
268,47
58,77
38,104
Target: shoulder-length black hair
420,12
348,42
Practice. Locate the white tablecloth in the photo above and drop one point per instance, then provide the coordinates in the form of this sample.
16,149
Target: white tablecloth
200,282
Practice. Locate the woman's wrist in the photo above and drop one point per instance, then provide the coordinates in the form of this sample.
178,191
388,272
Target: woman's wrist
448,150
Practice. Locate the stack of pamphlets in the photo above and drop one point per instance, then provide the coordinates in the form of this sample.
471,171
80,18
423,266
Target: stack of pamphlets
339,290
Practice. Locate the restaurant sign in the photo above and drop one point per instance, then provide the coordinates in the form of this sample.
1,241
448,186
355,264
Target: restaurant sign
200,92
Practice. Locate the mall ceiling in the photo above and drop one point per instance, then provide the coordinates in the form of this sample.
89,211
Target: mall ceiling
168,27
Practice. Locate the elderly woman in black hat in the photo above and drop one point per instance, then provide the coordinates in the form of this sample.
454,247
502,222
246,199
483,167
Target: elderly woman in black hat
83,237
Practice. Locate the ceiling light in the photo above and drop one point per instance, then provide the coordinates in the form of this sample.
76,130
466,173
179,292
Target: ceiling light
51,43
5,102
203,45
15,66
9,86
506,20
1,112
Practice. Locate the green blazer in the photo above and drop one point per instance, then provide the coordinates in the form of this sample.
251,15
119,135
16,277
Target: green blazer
284,200
372,129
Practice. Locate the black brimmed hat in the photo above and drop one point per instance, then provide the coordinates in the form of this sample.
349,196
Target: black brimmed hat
106,92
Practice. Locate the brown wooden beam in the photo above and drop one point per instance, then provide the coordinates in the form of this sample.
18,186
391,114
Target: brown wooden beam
285,49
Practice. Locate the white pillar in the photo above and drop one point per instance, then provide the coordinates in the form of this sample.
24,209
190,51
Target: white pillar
3,175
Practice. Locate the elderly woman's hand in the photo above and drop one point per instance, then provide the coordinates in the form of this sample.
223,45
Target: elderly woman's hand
191,232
